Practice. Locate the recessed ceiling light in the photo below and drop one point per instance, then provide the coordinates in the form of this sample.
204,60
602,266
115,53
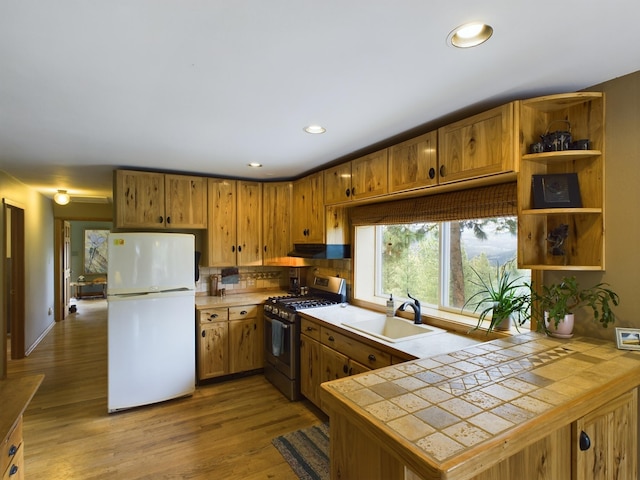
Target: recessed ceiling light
315,129
255,165
470,35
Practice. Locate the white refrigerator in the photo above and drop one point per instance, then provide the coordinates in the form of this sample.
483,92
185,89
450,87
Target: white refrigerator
151,326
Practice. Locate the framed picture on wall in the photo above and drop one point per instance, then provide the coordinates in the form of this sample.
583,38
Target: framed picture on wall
95,251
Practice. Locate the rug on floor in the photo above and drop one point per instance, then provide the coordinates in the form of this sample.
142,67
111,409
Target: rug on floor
306,451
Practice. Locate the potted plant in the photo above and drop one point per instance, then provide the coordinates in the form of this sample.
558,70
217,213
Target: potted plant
505,301
559,300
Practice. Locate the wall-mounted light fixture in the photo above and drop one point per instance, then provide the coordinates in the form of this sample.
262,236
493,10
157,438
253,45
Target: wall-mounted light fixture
61,197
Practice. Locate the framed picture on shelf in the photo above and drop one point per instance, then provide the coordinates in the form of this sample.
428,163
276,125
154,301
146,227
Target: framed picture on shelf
558,190
628,338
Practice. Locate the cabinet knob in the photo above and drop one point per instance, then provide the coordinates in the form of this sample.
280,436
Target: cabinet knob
372,357
243,312
13,470
345,369
432,173
347,192
233,248
309,329
265,249
353,191
12,450
213,315
161,219
204,334
168,220
585,441
443,171
239,248
331,339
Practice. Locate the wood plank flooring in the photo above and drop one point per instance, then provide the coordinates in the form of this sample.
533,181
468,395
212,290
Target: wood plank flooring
223,432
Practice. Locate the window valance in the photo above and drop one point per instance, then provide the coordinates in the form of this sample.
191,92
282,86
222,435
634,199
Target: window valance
481,202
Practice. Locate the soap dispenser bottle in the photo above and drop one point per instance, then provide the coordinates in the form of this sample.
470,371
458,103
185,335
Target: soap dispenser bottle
391,310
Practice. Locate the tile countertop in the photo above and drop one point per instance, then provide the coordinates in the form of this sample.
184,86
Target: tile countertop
335,315
447,409
233,300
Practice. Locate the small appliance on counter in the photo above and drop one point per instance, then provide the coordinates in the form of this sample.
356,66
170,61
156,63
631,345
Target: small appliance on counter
282,330
297,279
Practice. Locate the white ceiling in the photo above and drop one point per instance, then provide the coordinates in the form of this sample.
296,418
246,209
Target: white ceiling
207,86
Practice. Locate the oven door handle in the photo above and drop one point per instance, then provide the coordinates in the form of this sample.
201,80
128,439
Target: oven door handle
270,320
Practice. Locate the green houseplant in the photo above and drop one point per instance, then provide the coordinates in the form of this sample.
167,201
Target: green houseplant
502,301
559,300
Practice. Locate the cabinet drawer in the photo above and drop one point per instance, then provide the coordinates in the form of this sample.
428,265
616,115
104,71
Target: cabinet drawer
242,312
209,315
15,467
367,355
310,329
10,447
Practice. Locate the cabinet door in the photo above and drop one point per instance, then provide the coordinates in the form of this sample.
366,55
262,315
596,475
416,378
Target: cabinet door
337,184
139,199
246,350
612,434
477,146
249,223
213,352
276,223
308,209
186,201
369,175
222,222
334,364
310,368
414,163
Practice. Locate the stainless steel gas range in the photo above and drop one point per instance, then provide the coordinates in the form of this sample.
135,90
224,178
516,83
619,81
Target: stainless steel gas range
282,330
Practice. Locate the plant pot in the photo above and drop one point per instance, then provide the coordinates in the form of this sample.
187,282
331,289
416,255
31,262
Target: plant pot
504,325
564,328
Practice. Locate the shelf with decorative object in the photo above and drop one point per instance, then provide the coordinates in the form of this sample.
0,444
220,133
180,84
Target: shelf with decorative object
580,246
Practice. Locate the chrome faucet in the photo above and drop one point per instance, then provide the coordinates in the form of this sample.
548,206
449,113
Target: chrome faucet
415,305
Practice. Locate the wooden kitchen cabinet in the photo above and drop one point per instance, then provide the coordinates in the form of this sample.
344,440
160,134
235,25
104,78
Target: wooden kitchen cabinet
212,343
276,223
151,200
235,223
308,209
584,246
230,340
326,354
414,164
246,345
478,146
365,177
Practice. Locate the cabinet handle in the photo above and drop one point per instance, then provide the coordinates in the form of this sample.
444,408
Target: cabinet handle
443,171
331,339
12,450
353,191
585,441
255,326
372,357
168,220
432,173
347,192
161,219
345,369
243,312
213,315
204,333
233,248
13,470
239,248
309,329
265,249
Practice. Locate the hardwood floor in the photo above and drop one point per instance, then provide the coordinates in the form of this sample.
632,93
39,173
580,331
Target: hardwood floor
223,432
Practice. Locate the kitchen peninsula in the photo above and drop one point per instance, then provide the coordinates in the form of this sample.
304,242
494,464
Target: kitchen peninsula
527,406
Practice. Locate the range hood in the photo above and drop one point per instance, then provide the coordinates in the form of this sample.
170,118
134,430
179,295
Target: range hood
320,251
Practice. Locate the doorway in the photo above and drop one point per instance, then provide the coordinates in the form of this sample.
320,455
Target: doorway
14,279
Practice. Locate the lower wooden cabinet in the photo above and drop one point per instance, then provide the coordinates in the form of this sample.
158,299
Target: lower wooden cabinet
230,340
12,462
326,354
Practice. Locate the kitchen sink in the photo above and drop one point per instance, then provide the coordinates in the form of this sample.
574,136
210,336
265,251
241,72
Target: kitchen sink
393,329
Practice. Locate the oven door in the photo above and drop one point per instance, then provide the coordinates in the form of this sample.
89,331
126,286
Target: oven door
285,361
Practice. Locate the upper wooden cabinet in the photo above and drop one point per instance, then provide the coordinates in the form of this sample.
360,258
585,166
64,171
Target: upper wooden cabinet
276,223
477,146
150,200
362,178
308,209
583,248
414,163
235,223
